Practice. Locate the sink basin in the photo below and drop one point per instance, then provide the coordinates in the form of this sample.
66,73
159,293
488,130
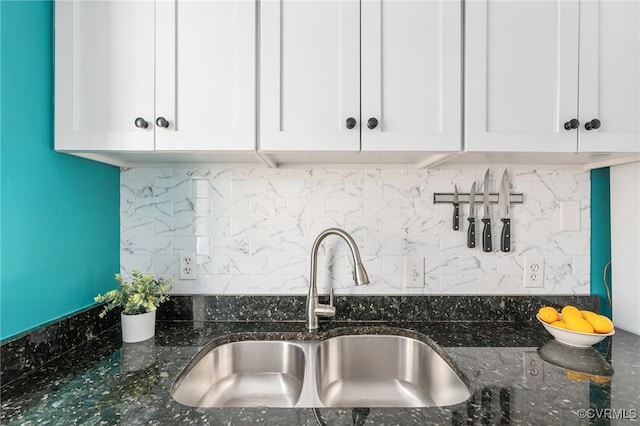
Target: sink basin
361,370
385,371
243,374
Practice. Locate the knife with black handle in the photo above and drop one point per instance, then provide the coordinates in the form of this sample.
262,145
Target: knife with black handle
486,235
486,219
505,238
503,213
471,232
456,209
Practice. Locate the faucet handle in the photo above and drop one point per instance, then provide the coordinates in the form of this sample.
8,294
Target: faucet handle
326,311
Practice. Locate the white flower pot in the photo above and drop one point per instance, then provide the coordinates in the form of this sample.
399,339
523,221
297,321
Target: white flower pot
138,328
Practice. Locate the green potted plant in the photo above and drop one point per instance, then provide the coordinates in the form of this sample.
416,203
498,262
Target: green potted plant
139,301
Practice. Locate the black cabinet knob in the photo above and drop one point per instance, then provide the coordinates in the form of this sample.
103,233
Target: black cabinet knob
351,123
571,124
141,123
162,122
372,123
593,124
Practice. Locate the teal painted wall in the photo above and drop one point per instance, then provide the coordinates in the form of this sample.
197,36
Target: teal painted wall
600,236
59,214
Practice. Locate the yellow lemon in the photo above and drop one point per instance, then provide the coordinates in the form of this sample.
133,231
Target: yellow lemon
570,311
548,314
588,314
601,324
559,324
578,324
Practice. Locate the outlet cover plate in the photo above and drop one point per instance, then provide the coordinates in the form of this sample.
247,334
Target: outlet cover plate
534,272
570,216
414,272
187,265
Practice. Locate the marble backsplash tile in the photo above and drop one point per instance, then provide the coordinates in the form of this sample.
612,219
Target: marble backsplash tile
252,229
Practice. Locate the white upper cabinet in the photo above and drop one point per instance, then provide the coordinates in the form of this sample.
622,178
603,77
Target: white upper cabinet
411,75
206,75
309,75
347,81
537,71
610,76
354,76
104,75
165,76
521,86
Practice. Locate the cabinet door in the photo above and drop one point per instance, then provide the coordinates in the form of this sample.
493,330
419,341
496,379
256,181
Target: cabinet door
412,75
309,75
104,75
610,75
521,82
206,75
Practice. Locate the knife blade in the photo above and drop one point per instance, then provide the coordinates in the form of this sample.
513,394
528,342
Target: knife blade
471,232
456,209
486,219
503,213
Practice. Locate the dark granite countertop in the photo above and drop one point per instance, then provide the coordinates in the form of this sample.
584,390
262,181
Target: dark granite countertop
501,351
104,382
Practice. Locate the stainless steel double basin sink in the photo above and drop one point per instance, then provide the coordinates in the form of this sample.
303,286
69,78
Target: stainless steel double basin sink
356,370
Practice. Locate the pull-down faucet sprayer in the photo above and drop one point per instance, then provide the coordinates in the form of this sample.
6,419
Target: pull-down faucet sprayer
314,308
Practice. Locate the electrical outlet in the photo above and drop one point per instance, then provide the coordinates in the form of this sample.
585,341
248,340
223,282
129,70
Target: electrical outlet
187,265
534,272
414,272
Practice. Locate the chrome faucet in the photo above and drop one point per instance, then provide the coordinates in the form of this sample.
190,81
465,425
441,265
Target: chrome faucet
314,308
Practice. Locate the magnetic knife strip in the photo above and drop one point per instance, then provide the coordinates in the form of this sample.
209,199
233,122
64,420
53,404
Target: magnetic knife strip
463,198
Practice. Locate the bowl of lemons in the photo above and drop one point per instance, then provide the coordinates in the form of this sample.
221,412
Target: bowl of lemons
574,327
